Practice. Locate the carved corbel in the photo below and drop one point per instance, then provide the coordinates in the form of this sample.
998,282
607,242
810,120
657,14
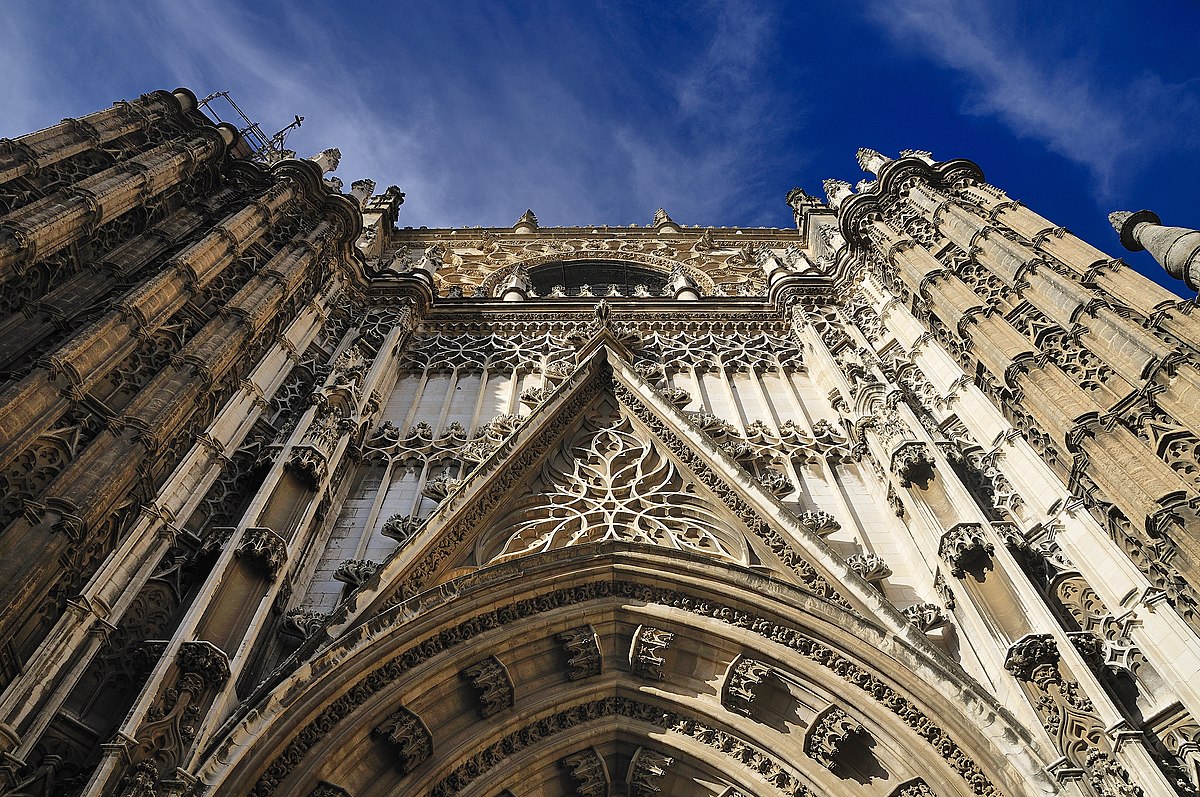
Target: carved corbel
589,772
964,548
491,678
828,734
646,772
309,464
263,547
912,463
742,683
409,735
583,649
644,658
300,624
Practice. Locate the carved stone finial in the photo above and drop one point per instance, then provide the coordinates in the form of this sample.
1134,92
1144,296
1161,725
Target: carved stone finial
328,159
527,223
682,286
798,199
836,190
870,161
1118,218
921,154
1177,249
602,314
661,218
362,190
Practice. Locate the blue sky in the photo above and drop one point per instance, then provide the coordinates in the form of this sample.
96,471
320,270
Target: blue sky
599,112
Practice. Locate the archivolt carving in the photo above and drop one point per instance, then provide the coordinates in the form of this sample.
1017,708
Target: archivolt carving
587,766
610,483
856,676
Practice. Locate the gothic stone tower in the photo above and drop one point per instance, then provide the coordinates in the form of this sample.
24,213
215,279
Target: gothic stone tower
900,502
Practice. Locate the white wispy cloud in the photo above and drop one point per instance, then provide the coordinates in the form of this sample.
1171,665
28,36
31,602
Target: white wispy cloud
1040,88
475,119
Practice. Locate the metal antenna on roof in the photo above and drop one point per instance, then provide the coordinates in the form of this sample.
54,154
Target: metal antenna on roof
259,146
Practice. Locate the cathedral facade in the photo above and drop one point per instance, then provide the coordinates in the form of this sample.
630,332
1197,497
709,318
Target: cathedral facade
902,501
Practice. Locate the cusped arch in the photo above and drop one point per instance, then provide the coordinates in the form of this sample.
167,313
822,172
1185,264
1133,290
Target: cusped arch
321,722
493,284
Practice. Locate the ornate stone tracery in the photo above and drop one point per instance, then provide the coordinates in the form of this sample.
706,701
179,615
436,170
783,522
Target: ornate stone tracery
609,483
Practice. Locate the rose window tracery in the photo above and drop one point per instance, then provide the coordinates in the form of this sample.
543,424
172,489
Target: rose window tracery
609,482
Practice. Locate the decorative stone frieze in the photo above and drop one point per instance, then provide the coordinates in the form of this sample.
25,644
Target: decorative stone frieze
645,657
828,734
324,789
964,548
582,645
406,732
490,677
264,548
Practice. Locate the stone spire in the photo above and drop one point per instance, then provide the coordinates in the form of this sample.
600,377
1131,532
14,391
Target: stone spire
870,161
328,159
527,223
837,191
661,217
1177,249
